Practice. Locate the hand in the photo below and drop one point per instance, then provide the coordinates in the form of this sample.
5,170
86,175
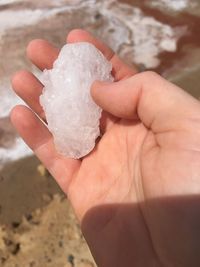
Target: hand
137,193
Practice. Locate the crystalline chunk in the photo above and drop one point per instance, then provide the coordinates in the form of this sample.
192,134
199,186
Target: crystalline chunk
72,115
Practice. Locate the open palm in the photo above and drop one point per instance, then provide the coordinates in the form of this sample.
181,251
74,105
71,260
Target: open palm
141,170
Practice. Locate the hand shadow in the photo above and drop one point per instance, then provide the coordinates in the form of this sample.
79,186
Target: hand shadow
158,232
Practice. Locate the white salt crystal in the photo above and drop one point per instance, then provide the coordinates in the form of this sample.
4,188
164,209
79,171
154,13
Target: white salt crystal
72,115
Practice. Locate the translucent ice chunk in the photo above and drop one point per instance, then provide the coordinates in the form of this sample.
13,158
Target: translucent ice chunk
72,115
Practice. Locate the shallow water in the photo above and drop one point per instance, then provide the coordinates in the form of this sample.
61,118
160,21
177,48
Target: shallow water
153,34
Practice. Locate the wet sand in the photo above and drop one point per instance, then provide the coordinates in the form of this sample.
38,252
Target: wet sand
181,66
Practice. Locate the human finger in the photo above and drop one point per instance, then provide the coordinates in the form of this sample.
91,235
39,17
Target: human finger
42,53
29,88
40,140
158,103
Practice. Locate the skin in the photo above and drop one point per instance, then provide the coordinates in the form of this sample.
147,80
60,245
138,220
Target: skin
136,194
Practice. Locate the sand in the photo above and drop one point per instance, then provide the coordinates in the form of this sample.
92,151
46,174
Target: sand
38,227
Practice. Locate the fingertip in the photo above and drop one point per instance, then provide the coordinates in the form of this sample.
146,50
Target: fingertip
23,118
94,86
16,114
42,53
76,34
97,87
93,89
17,79
16,111
33,46
79,35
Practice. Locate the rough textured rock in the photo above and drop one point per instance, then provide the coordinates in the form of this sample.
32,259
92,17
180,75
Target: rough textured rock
72,115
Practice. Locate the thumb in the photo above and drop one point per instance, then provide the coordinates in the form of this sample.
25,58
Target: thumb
147,96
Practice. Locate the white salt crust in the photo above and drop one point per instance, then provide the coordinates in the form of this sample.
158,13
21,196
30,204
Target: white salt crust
72,115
